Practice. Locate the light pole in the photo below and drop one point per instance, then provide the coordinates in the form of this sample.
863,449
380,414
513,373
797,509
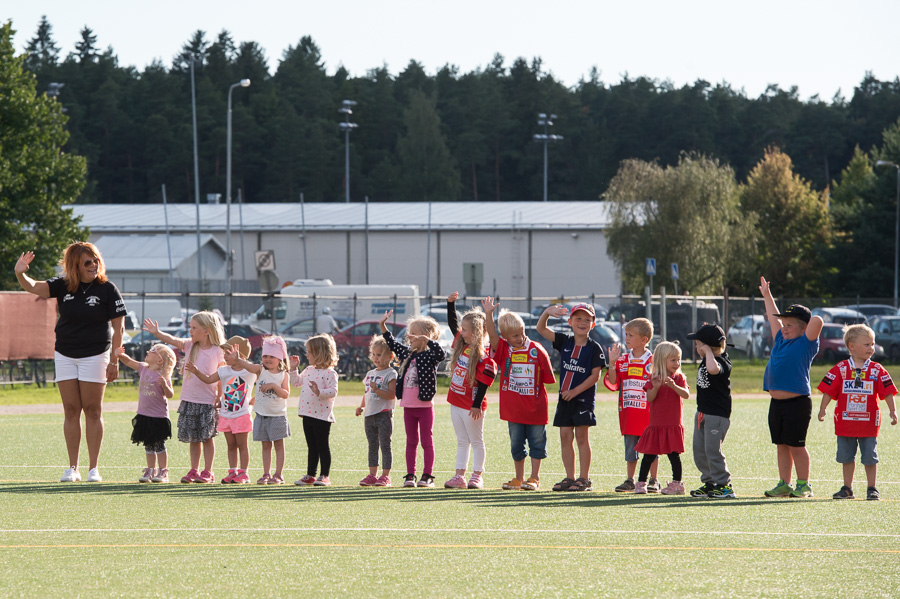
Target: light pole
896,224
347,109
546,121
196,170
228,261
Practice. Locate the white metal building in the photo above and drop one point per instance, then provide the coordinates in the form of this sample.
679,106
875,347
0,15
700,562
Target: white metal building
532,249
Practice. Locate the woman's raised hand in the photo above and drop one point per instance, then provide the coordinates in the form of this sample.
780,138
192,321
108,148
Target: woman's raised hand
24,262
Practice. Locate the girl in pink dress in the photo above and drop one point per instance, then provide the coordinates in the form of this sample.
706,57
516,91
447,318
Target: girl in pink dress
666,392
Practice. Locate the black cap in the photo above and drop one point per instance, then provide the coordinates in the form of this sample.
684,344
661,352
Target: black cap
797,311
710,334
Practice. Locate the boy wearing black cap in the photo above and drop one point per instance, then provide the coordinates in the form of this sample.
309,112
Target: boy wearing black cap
796,342
713,412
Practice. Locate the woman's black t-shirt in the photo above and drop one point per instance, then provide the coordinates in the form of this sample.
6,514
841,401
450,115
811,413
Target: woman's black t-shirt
83,328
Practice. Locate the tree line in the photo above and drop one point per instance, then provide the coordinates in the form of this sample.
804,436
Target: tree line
468,136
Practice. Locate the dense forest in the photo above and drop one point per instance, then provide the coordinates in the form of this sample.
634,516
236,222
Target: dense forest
444,136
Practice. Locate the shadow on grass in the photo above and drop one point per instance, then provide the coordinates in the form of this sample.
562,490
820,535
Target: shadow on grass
288,492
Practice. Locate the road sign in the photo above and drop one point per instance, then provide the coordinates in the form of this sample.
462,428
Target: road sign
674,272
268,281
265,260
650,266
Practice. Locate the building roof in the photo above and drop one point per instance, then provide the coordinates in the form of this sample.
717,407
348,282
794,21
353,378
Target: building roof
149,253
142,218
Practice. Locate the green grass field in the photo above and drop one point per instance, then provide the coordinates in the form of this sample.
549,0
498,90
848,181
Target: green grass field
121,538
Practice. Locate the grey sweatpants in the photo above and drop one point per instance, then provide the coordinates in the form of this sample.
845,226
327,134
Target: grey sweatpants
709,434
379,428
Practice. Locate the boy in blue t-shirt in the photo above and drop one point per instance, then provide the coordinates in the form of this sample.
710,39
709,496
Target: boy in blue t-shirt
796,342
581,360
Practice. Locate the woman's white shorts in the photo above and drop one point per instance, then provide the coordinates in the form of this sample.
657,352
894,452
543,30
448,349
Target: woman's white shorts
90,370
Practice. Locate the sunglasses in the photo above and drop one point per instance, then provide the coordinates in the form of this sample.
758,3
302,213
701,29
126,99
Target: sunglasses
92,261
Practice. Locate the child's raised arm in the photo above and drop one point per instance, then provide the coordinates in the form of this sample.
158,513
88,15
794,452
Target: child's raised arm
451,313
127,360
242,364
209,379
383,320
814,328
489,306
152,327
771,308
542,328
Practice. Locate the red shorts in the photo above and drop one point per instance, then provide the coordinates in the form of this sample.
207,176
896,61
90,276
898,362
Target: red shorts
241,424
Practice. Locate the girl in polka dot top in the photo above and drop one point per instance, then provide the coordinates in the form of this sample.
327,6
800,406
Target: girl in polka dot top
318,385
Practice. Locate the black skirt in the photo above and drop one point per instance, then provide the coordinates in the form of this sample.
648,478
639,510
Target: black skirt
149,430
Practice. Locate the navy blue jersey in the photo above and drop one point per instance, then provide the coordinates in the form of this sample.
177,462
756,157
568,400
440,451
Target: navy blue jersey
576,362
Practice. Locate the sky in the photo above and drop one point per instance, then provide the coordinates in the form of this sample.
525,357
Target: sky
821,47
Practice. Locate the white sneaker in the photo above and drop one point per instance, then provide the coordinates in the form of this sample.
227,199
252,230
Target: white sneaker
147,476
71,475
94,476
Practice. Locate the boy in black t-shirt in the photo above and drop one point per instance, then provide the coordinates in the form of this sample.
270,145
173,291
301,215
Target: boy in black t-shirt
713,412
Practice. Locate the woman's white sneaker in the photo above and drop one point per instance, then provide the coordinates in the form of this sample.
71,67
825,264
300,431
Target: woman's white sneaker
71,475
94,476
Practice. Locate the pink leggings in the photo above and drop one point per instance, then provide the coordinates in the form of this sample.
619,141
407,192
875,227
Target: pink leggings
419,422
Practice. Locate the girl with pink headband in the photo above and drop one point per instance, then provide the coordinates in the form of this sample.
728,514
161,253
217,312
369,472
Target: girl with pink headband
270,426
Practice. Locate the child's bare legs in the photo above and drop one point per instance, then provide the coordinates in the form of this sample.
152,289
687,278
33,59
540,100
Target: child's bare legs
584,451
631,468
567,449
279,456
267,457
849,469
209,454
151,460
195,450
231,439
520,468
871,470
243,448
535,469
163,459
790,458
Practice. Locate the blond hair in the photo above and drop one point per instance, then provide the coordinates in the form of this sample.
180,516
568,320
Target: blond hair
168,358
855,331
426,325
378,342
641,326
475,319
510,322
209,322
661,355
321,351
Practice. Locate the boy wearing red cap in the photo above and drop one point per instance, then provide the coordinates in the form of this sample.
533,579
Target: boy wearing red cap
581,360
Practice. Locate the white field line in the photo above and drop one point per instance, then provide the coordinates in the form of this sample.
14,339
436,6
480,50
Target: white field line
459,530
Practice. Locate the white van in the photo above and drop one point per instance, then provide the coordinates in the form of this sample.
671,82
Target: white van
353,302
162,310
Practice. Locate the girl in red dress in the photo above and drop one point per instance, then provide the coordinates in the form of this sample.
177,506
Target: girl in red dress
666,392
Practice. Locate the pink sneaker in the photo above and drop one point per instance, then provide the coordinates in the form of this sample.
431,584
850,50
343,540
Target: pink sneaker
190,476
276,479
640,488
368,481
675,487
230,478
457,482
161,476
242,478
264,479
147,475
383,481
475,481
205,477
323,481
306,480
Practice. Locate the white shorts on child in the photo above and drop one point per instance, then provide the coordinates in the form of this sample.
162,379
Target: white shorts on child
90,370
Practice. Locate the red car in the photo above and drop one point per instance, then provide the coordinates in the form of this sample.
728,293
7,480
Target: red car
831,344
359,334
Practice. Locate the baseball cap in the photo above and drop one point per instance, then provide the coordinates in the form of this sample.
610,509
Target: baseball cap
797,311
586,307
709,334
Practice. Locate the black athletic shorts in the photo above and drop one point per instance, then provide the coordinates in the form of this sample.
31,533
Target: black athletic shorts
789,420
574,413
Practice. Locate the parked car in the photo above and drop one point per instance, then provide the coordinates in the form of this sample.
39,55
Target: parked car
138,346
748,335
873,310
359,334
679,317
887,335
831,344
840,315
302,328
254,335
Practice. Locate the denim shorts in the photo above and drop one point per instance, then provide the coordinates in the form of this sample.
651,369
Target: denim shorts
846,450
536,434
631,441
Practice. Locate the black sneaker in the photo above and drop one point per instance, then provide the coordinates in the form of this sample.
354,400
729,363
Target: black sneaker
845,493
409,480
653,486
722,492
703,490
872,494
426,481
626,487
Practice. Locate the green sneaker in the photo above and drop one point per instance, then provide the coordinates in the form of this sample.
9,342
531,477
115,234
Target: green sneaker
782,489
802,490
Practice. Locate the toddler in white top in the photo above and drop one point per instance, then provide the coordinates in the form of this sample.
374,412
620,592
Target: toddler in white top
318,385
378,408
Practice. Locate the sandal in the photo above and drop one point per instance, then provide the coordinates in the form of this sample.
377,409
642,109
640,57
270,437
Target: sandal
564,484
582,484
532,484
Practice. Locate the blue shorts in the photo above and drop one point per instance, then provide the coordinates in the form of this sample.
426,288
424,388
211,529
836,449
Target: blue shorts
631,441
536,434
846,450
574,413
